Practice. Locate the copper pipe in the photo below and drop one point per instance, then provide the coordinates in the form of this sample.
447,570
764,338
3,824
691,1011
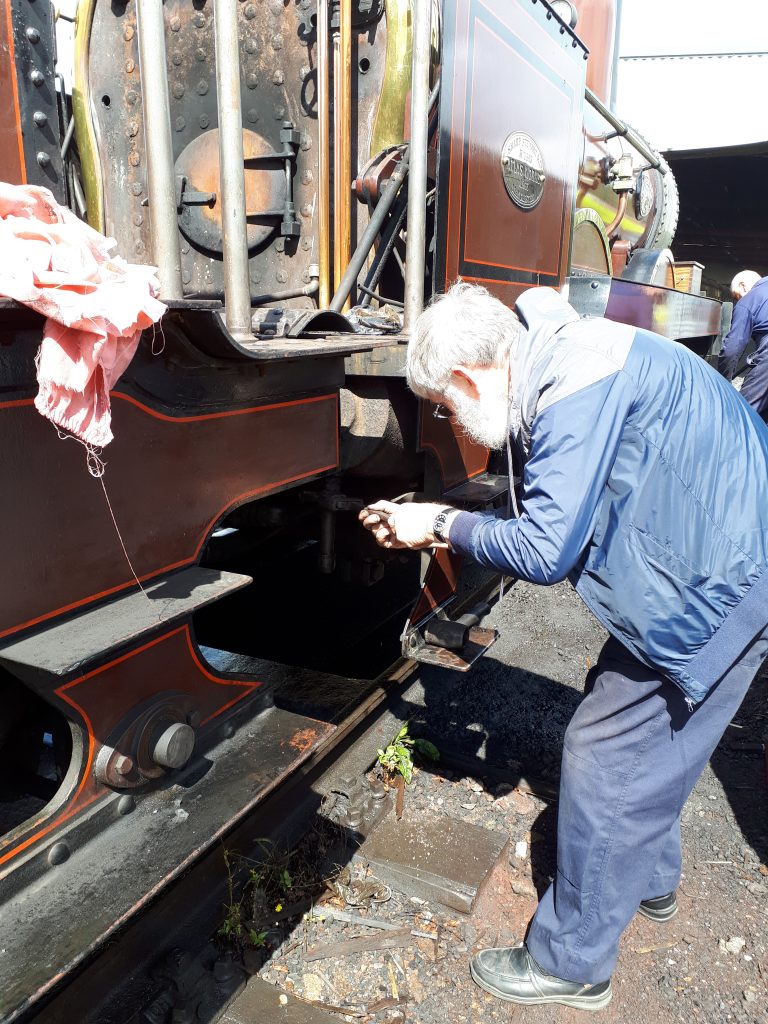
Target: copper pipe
324,156
342,115
621,209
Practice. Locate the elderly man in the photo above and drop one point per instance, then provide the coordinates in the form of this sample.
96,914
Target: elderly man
750,320
646,485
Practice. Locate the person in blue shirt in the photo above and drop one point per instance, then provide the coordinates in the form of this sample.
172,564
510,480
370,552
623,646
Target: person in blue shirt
750,321
645,484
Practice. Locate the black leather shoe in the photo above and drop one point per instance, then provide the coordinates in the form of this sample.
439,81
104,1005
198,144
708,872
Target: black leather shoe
513,974
662,908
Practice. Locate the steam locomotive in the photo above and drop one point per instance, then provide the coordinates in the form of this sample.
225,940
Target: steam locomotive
305,174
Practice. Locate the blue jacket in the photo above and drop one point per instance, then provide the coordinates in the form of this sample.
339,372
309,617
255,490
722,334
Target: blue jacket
750,320
645,484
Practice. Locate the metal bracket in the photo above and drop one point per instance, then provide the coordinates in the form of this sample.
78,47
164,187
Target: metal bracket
450,643
291,140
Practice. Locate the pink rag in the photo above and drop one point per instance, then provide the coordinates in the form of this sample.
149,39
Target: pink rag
96,306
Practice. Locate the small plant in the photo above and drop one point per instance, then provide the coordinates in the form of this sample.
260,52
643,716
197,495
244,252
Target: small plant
397,758
257,939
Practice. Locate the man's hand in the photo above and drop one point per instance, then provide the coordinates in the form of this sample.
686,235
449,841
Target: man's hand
402,526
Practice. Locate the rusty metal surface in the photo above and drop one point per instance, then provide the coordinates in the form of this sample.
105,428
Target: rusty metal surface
279,76
479,641
159,839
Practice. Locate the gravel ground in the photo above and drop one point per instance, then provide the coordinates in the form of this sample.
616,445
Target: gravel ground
499,728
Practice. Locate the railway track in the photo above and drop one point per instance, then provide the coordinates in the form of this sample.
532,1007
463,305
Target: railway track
310,734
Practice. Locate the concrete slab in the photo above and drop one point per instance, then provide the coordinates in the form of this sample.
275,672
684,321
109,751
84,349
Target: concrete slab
442,860
259,1002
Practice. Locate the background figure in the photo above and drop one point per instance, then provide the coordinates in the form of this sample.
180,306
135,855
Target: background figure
750,320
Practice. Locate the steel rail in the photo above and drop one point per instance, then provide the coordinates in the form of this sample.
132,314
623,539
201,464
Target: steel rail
237,284
161,186
417,180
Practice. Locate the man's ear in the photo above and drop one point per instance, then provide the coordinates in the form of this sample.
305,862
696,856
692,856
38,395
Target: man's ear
464,381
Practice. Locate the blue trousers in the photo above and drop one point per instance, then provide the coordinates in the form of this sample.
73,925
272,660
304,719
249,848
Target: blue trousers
755,387
631,756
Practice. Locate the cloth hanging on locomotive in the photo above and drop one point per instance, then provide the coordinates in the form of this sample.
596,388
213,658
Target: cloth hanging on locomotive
96,306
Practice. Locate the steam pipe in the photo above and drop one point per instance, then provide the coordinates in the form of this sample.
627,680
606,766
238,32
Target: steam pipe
370,234
324,156
623,129
237,285
417,179
342,113
161,187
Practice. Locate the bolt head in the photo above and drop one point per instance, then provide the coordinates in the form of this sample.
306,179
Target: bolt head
174,746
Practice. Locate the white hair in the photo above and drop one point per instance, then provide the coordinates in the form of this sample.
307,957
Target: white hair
465,327
747,278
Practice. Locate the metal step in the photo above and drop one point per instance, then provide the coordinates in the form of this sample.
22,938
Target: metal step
63,649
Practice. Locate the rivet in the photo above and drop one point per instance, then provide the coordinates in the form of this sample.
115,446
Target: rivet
251,46
306,277
279,113
251,80
175,24
280,244
278,77
305,71
250,11
125,804
133,130
176,59
198,19
40,118
131,98
33,34
128,33
277,6
307,177
185,250
137,188
200,53
186,276
306,210
36,77
138,219
138,247
204,120
306,142
306,244
57,854
281,276
253,115
180,124
43,158
202,87
277,41
256,277
134,159
178,90
130,66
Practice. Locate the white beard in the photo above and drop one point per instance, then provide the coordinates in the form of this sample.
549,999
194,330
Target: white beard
484,422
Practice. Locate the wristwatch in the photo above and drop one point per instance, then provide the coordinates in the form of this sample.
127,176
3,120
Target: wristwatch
441,521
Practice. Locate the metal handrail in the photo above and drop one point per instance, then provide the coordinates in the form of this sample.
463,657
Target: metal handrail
623,129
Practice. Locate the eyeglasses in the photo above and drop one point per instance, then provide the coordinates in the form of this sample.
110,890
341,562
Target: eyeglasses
442,412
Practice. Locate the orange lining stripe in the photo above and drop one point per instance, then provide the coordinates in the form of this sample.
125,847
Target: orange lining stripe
185,561
60,692
15,88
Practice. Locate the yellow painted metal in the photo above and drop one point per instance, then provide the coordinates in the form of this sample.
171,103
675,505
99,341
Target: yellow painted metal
85,136
388,128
